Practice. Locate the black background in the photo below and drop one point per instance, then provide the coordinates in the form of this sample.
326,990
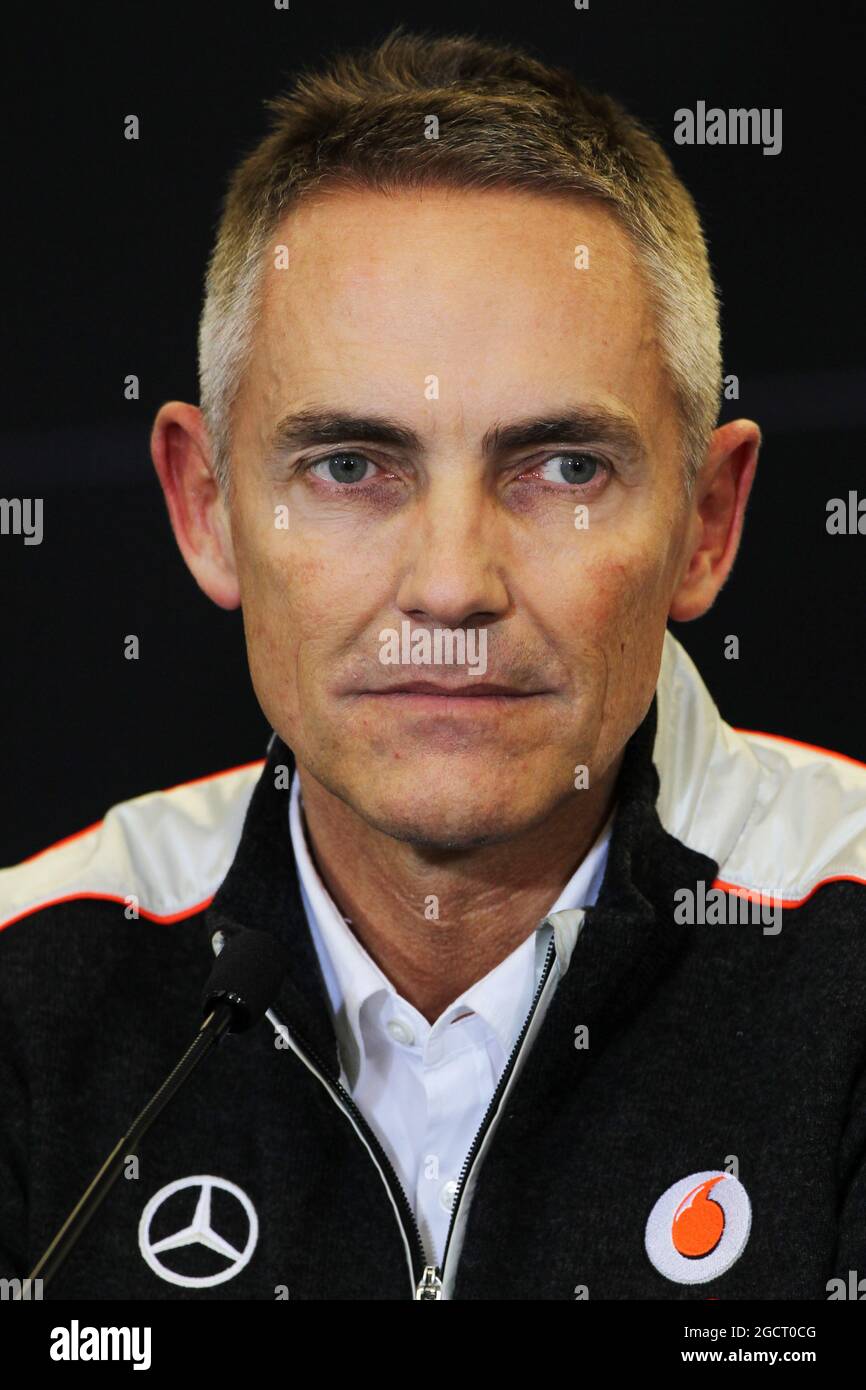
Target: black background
107,246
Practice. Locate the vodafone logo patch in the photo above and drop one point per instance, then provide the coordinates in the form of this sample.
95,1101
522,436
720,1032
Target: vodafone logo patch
699,1227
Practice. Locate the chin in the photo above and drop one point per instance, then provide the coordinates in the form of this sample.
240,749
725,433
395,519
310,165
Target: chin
435,830
461,814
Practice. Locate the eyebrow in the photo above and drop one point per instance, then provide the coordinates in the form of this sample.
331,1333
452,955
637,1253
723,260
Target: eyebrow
579,425
314,427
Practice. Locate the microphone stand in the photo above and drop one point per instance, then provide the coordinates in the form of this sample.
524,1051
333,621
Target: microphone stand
213,1028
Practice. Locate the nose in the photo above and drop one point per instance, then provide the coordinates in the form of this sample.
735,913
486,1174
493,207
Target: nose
453,571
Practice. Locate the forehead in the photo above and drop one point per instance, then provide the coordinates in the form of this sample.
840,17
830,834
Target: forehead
505,297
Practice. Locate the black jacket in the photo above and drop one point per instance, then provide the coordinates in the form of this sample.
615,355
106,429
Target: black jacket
710,1141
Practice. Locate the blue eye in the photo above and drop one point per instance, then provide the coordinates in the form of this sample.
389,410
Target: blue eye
571,468
342,468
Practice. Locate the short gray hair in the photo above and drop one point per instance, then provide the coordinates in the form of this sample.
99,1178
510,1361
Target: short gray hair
505,120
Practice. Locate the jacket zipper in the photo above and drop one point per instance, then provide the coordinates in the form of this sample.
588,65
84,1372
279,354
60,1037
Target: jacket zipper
405,1215
429,1286
487,1119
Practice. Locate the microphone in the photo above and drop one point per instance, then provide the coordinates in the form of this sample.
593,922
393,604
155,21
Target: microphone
244,981
246,977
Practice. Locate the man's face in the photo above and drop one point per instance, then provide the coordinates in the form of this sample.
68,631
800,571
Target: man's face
445,326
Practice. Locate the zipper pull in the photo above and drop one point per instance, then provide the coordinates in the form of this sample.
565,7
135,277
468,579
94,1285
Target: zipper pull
430,1286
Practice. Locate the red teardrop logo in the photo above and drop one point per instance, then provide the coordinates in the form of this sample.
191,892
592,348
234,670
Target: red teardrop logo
699,1222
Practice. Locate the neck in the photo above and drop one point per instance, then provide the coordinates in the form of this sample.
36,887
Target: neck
435,922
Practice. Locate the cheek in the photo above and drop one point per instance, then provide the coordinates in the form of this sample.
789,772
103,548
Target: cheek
620,587
303,608
278,589
617,606
634,589
636,635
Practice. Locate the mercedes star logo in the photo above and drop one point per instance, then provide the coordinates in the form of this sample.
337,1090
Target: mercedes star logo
199,1232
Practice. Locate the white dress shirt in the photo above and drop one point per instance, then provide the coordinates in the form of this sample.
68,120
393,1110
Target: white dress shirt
424,1088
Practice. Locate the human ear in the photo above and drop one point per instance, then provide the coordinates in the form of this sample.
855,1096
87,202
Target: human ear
196,506
717,512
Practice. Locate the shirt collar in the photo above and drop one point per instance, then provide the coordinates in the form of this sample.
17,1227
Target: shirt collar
350,973
503,996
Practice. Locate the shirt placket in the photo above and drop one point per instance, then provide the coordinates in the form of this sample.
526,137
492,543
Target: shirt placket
456,1073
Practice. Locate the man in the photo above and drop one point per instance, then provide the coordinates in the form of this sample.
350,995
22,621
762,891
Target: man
576,1001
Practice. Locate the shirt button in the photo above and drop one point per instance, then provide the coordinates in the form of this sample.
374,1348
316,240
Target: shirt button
400,1031
446,1194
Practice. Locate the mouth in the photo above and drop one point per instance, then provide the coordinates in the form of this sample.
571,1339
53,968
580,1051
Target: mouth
476,690
432,697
